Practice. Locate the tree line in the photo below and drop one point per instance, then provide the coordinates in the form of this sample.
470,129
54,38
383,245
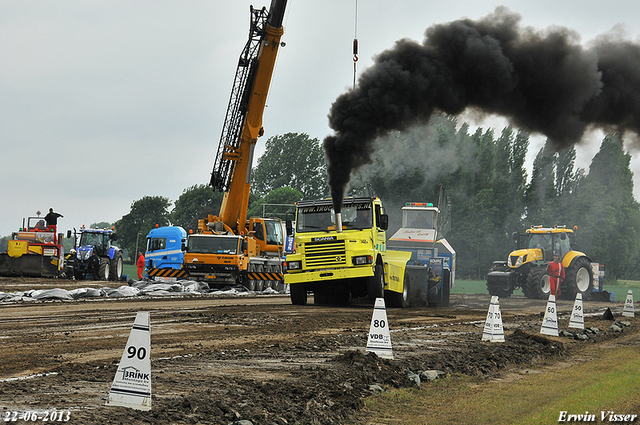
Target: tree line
484,174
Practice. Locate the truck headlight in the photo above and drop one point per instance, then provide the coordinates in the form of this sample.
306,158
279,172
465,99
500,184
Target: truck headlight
362,259
294,265
519,262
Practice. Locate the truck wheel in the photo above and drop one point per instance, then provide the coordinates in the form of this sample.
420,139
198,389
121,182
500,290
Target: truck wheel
537,286
578,279
260,283
399,299
320,296
115,268
298,294
103,271
375,285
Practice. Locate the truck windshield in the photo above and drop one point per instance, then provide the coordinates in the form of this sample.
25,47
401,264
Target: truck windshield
314,218
418,219
320,217
274,232
213,245
357,216
156,244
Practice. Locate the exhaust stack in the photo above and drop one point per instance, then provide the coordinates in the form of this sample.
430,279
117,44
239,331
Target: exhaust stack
339,222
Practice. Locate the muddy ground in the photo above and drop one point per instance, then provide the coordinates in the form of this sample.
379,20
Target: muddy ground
217,360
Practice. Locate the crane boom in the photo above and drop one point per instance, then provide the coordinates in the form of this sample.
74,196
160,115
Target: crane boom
243,121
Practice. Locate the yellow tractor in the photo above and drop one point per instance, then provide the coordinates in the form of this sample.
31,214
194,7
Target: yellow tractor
526,267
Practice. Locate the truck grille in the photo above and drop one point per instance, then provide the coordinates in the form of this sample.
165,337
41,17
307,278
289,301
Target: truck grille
325,254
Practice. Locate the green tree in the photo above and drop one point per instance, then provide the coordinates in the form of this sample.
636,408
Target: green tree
195,203
291,160
277,203
4,243
608,214
145,213
100,225
485,178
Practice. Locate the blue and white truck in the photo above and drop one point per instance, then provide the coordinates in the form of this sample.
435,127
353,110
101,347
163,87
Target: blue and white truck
165,253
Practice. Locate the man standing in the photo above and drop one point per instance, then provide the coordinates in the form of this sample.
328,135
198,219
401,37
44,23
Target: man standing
52,218
555,270
140,265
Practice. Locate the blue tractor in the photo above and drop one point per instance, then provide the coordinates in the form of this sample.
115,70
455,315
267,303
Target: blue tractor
95,255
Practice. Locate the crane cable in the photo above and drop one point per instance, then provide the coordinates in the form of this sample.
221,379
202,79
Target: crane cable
355,46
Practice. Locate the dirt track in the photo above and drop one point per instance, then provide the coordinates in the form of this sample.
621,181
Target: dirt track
217,360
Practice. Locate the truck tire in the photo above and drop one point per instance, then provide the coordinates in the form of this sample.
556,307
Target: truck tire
320,296
537,286
103,271
399,299
298,294
578,279
375,284
115,268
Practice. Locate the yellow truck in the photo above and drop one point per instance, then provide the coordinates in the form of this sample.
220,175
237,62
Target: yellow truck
343,256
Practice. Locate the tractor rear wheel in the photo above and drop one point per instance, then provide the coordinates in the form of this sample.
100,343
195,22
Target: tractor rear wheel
578,279
537,286
115,268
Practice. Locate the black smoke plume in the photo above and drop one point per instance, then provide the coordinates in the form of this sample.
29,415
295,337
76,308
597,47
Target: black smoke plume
542,81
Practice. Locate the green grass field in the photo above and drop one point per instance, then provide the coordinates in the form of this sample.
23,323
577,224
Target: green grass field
463,286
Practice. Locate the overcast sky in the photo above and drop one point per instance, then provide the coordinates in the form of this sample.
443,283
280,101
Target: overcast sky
104,102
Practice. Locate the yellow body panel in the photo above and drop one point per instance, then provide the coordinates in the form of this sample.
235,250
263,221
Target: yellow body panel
568,258
328,275
395,263
17,248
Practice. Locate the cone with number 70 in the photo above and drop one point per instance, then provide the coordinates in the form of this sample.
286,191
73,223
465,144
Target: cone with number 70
493,330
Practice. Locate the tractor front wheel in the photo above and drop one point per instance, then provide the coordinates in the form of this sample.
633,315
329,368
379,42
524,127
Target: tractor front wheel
537,286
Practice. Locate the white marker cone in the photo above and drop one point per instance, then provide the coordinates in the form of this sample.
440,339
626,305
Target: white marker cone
577,316
493,330
628,310
379,340
131,386
550,322
498,331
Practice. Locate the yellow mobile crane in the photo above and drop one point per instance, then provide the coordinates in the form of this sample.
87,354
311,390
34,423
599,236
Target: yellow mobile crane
230,248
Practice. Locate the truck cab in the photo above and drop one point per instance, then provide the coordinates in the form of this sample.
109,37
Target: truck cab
164,247
338,259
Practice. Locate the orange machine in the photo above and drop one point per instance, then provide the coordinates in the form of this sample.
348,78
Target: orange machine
230,248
